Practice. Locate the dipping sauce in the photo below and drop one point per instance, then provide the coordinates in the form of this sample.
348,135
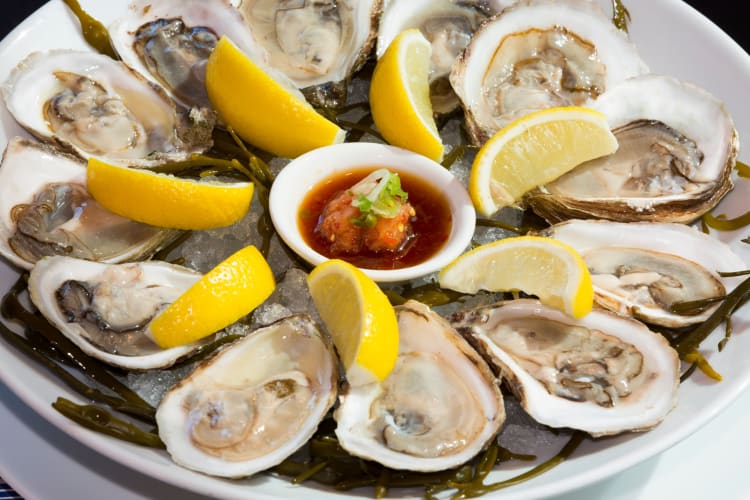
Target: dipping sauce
431,225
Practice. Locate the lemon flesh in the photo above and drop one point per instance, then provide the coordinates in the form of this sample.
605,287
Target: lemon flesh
229,291
165,200
260,109
545,267
534,150
359,318
400,96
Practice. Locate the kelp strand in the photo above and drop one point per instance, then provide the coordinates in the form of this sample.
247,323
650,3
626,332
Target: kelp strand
703,365
620,16
688,372
721,223
690,341
13,310
727,334
743,170
94,32
25,346
100,420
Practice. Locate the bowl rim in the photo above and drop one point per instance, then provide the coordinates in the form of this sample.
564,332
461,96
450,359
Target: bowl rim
301,174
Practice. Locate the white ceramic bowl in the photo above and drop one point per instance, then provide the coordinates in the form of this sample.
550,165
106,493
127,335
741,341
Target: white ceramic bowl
306,171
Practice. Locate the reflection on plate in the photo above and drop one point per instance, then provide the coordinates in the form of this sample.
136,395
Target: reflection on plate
692,49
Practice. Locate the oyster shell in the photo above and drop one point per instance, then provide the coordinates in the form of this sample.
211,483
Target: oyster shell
93,105
105,309
317,44
447,24
45,209
437,409
169,42
641,269
252,404
538,54
603,374
677,148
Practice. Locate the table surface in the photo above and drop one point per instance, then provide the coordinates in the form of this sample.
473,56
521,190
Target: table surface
72,470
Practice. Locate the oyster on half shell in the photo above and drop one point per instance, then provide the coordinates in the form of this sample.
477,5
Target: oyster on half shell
105,309
318,44
169,42
438,408
642,269
538,54
252,404
677,148
93,105
603,374
45,209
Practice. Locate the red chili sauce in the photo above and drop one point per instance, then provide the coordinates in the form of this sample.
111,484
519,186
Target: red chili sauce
431,225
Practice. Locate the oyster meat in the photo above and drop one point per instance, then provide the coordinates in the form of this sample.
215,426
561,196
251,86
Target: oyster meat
252,404
677,148
603,374
642,269
95,106
317,44
105,309
438,408
538,54
45,209
169,42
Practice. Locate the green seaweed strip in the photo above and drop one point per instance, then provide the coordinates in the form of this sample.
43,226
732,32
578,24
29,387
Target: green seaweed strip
12,309
723,224
93,31
260,168
694,306
620,15
688,372
730,274
502,225
727,335
697,358
23,345
455,154
479,489
742,169
692,340
355,126
100,420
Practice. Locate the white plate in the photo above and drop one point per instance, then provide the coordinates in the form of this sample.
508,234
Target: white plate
692,48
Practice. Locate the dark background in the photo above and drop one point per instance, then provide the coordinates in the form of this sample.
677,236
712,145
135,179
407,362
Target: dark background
724,13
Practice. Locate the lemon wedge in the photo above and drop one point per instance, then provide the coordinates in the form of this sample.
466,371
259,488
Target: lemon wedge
226,293
360,319
261,110
400,96
165,200
545,267
536,149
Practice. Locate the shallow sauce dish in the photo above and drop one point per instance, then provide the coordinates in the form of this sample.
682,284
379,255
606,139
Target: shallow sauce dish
692,49
302,174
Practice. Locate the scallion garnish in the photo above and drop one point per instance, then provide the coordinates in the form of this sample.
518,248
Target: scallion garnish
378,195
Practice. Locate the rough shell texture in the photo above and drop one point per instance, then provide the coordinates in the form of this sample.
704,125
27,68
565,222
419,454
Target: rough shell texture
501,37
694,115
437,409
85,230
539,337
127,287
670,239
252,404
